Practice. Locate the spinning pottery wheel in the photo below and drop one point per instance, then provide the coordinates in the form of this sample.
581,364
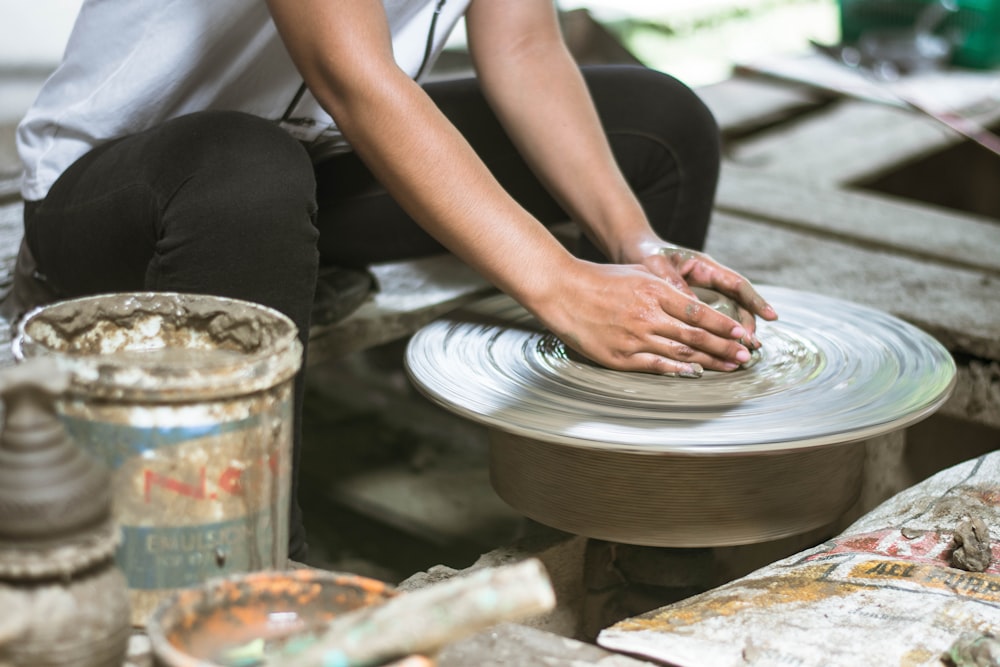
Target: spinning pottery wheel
765,452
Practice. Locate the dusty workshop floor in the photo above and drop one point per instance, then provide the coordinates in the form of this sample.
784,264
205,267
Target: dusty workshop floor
392,484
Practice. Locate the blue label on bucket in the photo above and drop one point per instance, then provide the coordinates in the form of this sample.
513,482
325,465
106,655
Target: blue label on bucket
116,443
197,500
158,557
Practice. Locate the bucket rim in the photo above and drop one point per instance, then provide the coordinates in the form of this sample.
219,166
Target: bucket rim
269,363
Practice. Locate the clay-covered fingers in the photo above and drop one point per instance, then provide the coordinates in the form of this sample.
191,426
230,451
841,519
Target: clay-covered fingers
696,332
626,318
741,290
664,356
647,362
701,270
749,322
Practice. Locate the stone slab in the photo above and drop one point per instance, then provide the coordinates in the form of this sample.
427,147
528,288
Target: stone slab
867,220
744,104
847,141
956,306
410,294
444,506
511,644
563,558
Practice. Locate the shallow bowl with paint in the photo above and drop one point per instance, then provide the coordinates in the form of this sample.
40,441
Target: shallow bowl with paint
246,619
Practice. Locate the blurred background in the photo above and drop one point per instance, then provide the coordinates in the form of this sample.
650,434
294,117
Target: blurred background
697,41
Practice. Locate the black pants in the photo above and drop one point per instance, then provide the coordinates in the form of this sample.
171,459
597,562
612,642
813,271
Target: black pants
226,203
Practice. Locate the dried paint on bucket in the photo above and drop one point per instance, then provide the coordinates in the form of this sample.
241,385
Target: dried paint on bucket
188,399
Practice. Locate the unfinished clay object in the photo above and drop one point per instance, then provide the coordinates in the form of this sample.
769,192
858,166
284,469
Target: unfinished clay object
731,309
57,537
973,552
719,302
974,650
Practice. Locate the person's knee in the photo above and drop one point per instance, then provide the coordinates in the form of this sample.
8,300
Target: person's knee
672,102
246,173
637,99
227,146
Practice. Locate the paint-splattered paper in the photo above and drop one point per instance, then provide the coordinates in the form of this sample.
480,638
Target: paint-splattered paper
882,593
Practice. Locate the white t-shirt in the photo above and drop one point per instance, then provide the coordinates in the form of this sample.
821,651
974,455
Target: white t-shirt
132,64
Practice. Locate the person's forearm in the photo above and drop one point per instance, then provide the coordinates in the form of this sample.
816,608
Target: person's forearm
549,115
416,153
434,174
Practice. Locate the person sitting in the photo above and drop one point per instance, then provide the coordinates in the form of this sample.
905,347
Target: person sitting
232,148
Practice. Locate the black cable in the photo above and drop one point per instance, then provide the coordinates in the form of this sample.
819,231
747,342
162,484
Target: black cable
427,54
430,39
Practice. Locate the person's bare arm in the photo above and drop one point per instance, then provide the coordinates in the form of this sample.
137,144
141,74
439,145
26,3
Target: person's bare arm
344,53
533,83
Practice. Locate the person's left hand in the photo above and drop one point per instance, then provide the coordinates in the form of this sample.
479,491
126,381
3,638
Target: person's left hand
684,269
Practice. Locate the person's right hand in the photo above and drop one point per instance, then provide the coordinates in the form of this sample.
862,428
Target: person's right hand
624,317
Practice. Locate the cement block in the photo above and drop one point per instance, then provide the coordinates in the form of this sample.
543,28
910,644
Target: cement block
510,644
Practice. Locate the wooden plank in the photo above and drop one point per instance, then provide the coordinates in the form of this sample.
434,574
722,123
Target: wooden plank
742,105
848,141
410,294
10,187
956,306
11,231
871,220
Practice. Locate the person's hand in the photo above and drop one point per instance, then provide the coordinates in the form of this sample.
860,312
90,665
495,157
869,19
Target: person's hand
685,269
635,318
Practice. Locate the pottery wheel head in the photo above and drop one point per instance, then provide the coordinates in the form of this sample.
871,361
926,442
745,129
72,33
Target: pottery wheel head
829,372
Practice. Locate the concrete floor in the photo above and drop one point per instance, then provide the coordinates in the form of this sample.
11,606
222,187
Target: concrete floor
393,484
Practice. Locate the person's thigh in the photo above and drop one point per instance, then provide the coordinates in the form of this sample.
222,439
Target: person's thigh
666,142
216,202
664,139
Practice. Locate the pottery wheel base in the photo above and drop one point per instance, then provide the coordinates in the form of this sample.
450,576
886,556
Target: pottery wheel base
675,501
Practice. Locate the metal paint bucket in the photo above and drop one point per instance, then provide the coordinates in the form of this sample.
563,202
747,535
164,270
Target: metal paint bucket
188,399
